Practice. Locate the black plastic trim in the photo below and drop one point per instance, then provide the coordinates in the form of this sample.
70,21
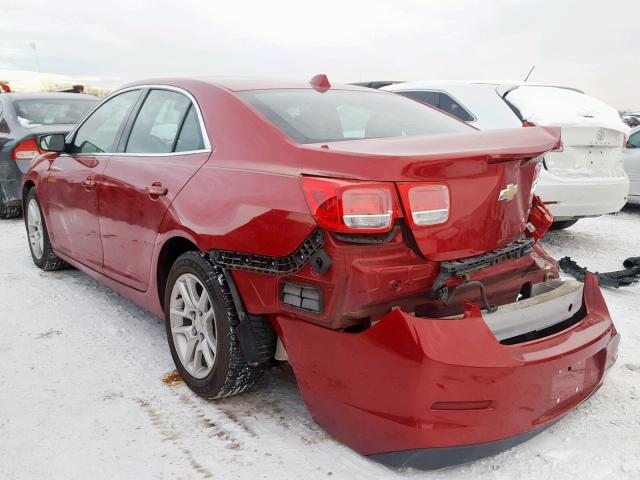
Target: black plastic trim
367,238
256,335
460,268
287,265
440,457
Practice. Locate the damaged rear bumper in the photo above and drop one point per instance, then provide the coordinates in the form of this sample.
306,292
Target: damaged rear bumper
409,387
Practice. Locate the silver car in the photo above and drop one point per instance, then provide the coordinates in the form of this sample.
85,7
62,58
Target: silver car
632,165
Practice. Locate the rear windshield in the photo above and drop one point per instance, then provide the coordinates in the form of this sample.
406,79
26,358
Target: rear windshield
37,112
309,116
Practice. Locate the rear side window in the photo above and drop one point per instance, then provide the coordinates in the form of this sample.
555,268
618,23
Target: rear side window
98,133
190,137
430,98
452,107
442,101
309,116
158,123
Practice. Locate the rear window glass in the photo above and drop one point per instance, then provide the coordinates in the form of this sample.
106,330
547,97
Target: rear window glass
36,112
309,116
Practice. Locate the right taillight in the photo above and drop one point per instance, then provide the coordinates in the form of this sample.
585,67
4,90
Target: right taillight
351,207
426,203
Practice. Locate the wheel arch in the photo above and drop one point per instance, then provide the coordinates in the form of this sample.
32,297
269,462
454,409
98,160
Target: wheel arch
170,251
26,186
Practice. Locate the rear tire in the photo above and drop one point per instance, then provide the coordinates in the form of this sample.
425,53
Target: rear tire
38,235
200,319
562,224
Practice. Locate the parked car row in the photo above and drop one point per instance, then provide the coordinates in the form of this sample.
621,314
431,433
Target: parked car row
584,175
387,250
23,118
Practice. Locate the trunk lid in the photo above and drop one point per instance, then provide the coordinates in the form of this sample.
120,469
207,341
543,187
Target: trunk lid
592,132
588,151
477,167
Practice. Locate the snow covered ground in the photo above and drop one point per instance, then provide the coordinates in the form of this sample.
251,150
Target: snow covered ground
86,391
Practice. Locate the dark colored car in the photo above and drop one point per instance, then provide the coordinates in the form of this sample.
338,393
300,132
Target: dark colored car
387,250
23,117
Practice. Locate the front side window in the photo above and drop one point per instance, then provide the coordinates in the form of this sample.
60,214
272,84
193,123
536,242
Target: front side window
158,122
98,133
309,116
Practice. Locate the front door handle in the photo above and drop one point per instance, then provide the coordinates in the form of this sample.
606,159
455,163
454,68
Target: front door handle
157,190
89,183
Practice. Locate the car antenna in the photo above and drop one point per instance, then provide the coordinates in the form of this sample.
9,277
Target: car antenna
320,82
529,74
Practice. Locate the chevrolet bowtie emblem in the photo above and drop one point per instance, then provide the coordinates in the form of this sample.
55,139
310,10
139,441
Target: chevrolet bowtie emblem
509,193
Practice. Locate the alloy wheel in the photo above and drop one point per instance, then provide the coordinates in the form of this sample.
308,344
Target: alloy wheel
34,229
193,325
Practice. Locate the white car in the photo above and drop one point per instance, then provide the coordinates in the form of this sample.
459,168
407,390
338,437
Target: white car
585,176
632,165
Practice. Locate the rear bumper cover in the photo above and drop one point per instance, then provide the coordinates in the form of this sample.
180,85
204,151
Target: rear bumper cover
569,198
409,384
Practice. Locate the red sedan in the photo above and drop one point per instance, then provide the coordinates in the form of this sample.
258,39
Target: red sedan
386,250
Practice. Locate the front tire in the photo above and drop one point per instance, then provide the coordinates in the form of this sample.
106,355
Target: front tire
200,319
38,235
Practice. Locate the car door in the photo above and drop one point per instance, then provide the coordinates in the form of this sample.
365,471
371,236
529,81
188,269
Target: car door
632,165
70,188
164,144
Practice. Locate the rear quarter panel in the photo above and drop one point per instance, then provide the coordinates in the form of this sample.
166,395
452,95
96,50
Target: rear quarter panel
248,195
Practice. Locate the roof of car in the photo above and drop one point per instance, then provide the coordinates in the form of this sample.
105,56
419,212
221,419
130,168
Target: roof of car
237,84
496,83
40,95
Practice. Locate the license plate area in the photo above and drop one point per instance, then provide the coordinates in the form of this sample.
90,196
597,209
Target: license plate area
577,379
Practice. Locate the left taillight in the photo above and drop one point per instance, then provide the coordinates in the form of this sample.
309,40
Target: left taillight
26,150
426,203
351,207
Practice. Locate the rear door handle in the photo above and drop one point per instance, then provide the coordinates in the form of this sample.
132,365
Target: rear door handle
89,183
157,190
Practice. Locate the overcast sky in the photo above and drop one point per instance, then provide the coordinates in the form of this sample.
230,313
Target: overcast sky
589,44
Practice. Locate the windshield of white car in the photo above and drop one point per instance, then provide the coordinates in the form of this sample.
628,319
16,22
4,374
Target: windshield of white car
310,116
36,112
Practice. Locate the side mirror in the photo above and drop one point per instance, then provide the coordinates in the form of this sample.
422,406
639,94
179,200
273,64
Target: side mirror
52,143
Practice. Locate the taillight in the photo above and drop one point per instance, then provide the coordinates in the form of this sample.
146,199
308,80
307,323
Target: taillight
346,206
426,203
528,124
26,150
